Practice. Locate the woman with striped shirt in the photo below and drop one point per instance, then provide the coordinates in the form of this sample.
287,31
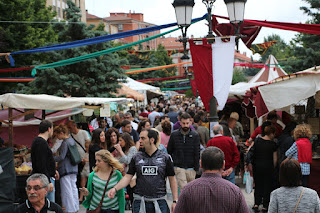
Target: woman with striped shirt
105,164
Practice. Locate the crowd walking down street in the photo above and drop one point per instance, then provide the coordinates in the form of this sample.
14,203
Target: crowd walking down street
166,162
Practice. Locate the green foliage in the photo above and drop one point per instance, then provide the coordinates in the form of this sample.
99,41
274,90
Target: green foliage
152,58
24,35
96,77
189,93
238,76
250,71
280,50
305,48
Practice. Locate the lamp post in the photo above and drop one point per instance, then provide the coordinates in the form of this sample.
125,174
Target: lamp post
209,5
183,10
236,13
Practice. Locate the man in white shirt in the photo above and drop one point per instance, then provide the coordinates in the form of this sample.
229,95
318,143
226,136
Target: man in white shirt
128,116
152,116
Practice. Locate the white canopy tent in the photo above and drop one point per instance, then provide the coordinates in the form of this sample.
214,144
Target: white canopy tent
290,89
48,102
146,89
265,75
51,102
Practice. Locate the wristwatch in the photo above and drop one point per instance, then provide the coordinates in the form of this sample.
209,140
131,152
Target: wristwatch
175,201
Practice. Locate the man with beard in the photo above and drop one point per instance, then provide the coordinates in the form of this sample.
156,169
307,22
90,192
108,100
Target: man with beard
37,188
184,147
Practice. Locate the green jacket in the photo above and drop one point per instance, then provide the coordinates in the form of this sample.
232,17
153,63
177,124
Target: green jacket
120,193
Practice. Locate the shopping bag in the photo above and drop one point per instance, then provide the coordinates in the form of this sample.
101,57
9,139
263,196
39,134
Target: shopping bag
246,174
249,184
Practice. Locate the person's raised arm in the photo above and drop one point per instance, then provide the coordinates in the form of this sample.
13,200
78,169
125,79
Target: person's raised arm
120,185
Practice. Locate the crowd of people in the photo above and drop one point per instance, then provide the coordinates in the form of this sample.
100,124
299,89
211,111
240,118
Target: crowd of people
135,158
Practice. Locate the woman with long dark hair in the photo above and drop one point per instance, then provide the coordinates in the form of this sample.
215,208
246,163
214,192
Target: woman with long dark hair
112,138
98,142
144,124
126,148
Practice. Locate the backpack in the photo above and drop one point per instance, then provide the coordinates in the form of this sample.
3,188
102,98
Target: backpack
74,155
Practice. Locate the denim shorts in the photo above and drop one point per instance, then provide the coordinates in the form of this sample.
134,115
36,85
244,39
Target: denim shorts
150,207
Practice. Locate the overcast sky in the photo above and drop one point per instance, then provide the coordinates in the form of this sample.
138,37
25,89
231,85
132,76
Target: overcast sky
162,12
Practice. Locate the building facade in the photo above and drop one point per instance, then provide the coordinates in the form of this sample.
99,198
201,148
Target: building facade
60,5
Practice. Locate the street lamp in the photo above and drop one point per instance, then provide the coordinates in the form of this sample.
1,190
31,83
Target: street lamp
183,10
209,5
236,13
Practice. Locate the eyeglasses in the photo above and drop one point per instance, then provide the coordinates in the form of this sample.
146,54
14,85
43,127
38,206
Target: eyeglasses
35,188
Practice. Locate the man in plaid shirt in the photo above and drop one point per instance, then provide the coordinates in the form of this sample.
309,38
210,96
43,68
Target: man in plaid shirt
211,193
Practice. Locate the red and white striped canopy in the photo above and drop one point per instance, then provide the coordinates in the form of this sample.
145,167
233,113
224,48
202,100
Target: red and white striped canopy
271,71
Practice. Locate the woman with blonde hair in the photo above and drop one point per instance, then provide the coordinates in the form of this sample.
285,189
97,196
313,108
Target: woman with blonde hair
68,172
105,173
301,150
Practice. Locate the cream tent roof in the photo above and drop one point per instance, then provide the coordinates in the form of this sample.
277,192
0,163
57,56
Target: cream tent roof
51,102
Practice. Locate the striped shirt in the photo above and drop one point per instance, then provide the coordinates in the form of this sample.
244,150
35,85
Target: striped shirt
98,188
211,194
293,152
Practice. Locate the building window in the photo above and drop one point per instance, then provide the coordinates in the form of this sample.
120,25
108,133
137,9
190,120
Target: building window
120,27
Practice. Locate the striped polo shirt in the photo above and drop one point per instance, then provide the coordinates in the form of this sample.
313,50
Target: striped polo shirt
98,188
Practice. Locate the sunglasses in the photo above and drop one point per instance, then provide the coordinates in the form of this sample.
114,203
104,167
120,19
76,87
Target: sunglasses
35,188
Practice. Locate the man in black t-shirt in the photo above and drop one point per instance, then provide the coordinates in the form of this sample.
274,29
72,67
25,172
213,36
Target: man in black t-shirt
42,157
151,167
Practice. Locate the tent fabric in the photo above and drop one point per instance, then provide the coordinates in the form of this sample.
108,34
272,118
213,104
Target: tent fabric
284,91
129,93
269,72
213,69
138,86
272,71
50,102
249,31
298,27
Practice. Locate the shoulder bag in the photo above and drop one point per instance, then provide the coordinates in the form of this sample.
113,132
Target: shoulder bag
78,143
75,157
295,209
98,209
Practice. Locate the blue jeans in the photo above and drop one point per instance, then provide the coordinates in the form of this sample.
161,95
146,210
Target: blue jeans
51,195
150,207
231,177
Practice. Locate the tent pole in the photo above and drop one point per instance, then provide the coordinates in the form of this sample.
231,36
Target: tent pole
43,114
251,125
10,128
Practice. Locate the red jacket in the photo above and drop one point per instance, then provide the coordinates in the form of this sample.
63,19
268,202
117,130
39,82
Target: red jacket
229,148
304,150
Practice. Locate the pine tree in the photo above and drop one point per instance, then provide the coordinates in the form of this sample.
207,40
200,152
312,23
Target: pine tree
24,35
96,77
305,48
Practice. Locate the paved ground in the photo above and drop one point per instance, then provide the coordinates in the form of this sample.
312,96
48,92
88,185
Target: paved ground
249,197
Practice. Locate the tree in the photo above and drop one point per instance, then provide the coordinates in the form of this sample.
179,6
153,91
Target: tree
305,48
150,58
280,50
24,35
238,76
96,77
